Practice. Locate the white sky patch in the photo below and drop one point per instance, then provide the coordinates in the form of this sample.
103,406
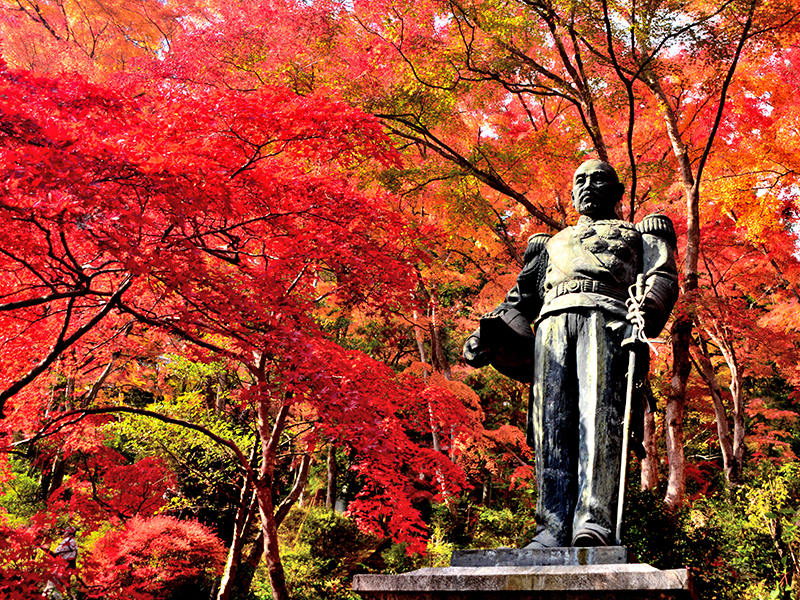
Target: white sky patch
441,22
763,101
488,131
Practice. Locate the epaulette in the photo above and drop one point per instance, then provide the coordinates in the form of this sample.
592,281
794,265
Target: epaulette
536,244
658,225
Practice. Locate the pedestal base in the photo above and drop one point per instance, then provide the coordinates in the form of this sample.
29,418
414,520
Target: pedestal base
540,557
581,582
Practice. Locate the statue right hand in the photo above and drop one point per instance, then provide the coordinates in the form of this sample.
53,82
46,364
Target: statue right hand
474,354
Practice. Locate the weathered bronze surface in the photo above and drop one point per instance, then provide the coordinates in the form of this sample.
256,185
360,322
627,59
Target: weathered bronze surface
573,291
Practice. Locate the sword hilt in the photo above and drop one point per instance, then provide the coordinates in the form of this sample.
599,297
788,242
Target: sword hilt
636,301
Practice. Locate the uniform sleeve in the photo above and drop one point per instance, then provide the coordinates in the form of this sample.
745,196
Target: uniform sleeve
527,295
660,271
524,301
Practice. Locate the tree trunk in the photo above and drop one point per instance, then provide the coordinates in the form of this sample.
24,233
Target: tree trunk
270,440
247,569
52,481
330,496
87,400
440,361
729,354
676,405
266,509
222,383
419,337
682,330
244,516
649,479
706,369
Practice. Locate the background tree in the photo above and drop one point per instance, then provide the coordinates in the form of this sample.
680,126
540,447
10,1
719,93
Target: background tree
206,240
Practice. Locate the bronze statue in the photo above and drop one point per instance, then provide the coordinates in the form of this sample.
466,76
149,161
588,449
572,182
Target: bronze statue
574,290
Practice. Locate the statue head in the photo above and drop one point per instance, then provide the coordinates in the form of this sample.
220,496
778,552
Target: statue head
596,190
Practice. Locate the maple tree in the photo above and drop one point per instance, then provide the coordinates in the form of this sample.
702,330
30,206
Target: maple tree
224,205
227,242
94,38
473,83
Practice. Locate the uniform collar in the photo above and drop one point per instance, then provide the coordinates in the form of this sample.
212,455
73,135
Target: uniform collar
585,221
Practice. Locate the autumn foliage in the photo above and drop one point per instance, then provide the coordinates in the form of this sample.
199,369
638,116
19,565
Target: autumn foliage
155,557
241,245
24,569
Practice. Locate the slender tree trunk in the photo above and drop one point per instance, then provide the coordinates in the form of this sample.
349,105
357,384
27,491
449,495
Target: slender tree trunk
222,383
277,577
738,418
682,328
738,431
247,569
676,406
69,392
437,348
706,370
266,543
330,496
419,337
87,400
244,517
649,480
486,493
269,446
729,354
51,482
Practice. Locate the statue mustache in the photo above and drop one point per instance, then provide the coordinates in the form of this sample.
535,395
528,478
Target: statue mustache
590,195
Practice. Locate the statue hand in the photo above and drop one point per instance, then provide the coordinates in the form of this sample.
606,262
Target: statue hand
635,316
474,354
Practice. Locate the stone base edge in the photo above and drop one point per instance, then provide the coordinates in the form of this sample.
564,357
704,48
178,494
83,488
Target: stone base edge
595,582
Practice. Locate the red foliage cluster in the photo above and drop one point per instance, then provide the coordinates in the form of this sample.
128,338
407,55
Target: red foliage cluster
25,566
152,558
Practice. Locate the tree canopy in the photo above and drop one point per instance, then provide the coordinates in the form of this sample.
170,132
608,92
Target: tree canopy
243,242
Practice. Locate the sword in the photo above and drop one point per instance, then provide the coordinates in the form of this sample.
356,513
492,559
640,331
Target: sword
637,297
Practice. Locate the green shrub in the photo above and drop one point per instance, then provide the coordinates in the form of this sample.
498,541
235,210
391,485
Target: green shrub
321,551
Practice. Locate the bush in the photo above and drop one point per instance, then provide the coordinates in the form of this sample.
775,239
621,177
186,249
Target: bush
156,558
503,527
321,551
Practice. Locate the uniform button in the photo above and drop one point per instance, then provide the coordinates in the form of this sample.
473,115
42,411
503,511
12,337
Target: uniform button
573,286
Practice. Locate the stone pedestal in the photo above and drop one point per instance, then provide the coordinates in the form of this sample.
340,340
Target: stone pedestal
567,574
540,557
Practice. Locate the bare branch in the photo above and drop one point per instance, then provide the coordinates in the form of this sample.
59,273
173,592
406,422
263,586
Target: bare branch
62,343
66,419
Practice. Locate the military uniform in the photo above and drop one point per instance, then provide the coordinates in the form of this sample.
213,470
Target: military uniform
573,289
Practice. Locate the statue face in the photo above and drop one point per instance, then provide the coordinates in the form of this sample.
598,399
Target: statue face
596,190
